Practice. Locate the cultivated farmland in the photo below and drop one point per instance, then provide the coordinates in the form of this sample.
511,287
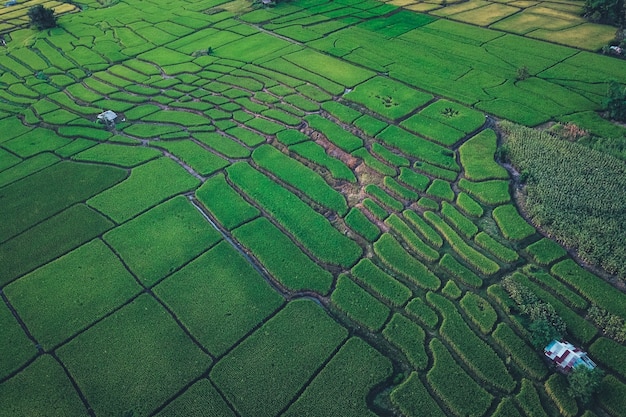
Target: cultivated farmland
297,211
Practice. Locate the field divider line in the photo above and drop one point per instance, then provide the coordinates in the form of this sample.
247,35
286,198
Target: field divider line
82,397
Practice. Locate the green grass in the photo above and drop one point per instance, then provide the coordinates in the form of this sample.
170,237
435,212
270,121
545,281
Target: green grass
317,154
342,112
94,282
219,297
612,396
433,129
147,185
414,180
418,309
357,221
567,295
477,158
373,163
383,197
400,190
381,283
35,141
511,224
399,260
68,229
301,336
156,243
373,207
358,304
41,389
143,334
387,97
460,272
61,185
458,391
343,385
388,156
246,136
409,338
424,228
317,234
301,177
414,400
475,353
610,354
455,115
451,290
223,145
282,258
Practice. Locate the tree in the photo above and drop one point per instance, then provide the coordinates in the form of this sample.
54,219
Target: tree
605,11
42,17
542,333
584,382
615,101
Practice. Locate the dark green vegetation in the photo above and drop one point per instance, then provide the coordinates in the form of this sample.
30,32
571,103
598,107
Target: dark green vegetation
288,218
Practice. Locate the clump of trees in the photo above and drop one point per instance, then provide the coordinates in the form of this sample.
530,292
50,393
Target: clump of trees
584,382
611,325
612,12
615,102
42,17
545,323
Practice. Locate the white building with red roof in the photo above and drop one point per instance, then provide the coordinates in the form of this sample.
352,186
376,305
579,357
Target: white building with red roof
567,356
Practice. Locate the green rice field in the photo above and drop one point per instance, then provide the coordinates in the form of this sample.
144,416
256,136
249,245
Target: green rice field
299,210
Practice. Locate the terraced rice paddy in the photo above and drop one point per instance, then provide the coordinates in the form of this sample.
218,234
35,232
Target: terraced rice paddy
297,212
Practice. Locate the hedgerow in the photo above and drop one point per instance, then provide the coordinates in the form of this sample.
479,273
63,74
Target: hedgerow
380,282
468,253
399,260
409,338
479,311
496,248
478,355
521,353
358,304
410,237
459,392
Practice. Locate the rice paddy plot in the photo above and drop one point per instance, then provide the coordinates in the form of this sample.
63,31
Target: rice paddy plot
300,337
43,388
477,157
35,141
68,229
414,400
358,304
74,291
284,261
60,185
317,154
219,297
387,97
147,185
17,348
200,399
352,373
140,346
